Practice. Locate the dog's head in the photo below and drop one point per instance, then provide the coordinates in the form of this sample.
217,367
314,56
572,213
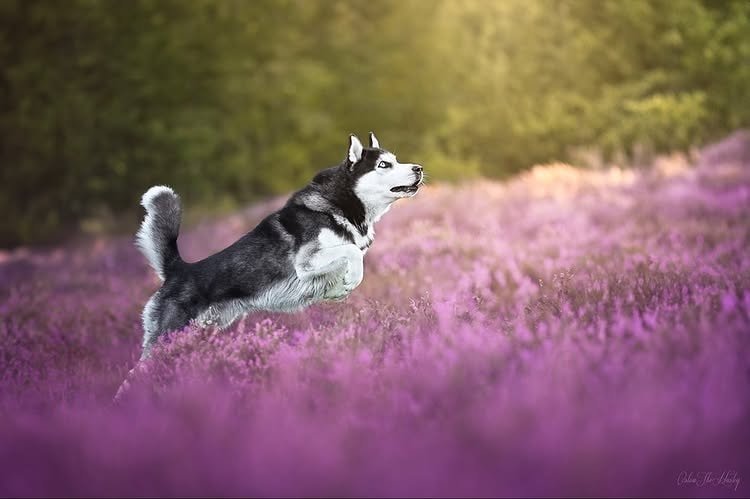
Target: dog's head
380,177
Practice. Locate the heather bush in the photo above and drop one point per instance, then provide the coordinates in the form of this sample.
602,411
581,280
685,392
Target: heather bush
567,332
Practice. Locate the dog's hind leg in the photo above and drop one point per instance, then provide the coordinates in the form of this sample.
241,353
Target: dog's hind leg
159,316
150,321
171,316
150,318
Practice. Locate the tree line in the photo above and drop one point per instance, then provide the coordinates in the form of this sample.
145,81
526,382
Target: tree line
230,100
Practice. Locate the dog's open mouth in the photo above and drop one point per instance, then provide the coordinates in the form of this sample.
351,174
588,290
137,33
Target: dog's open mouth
409,189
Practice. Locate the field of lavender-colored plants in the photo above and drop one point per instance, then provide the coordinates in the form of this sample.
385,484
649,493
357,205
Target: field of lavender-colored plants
570,331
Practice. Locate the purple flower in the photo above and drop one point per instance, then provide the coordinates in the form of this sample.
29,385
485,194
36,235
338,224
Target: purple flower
567,332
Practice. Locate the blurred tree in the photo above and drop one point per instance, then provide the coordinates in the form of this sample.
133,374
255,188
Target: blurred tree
99,99
234,99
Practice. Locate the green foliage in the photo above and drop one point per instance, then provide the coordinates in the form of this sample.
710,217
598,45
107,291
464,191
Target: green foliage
99,99
237,99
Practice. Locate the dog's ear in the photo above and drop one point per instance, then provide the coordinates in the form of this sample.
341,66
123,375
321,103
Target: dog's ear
374,141
355,150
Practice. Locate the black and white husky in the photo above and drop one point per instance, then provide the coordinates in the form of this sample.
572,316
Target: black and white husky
309,251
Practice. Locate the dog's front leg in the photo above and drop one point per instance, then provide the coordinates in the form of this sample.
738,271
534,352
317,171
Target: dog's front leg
341,267
341,284
352,275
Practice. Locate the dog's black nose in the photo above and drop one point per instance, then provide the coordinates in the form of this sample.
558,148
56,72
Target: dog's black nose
416,168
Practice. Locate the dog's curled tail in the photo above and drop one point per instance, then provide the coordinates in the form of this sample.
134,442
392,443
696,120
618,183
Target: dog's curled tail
157,237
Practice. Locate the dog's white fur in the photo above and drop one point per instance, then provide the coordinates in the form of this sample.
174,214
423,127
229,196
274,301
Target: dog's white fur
373,188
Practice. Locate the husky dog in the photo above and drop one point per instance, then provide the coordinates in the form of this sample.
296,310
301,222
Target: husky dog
309,251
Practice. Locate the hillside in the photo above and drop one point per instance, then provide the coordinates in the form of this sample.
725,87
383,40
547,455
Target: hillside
569,331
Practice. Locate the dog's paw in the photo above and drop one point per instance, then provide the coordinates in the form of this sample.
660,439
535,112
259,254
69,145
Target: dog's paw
337,292
337,295
352,277
339,289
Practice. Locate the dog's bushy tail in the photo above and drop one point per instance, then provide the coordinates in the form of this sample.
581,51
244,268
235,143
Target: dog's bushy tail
157,237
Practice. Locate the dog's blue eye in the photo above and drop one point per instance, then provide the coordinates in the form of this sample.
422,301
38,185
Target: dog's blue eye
384,164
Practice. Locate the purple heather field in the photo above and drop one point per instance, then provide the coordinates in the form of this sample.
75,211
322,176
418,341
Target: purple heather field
569,331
